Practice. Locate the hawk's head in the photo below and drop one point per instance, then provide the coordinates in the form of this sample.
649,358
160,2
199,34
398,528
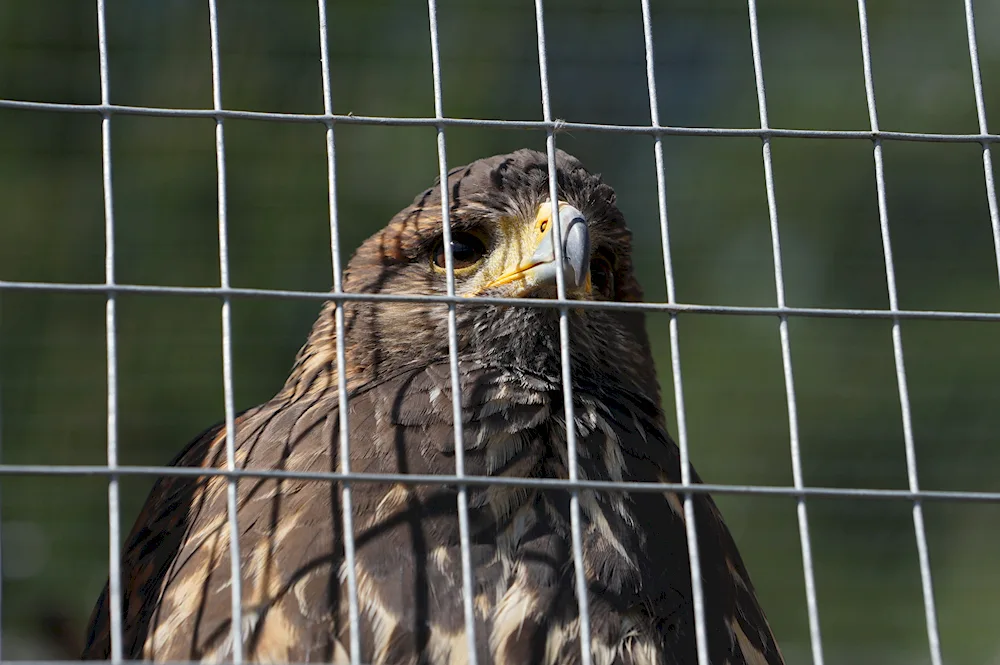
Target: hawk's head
502,240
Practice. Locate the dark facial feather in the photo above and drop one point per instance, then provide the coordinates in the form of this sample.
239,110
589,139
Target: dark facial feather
382,337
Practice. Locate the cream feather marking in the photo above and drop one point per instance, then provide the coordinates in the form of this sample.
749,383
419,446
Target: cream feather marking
638,644
263,579
512,610
599,521
589,502
737,577
673,500
275,637
614,463
447,648
182,599
395,499
751,654
563,639
382,620
484,606
675,504
518,601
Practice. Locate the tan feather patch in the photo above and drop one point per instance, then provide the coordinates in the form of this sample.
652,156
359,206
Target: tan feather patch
483,605
277,639
517,604
446,648
751,654
383,622
590,506
181,600
394,499
673,500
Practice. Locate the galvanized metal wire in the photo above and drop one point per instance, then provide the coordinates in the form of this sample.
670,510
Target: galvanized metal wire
977,86
805,544
232,507
111,290
482,301
343,439
90,470
540,125
468,579
111,348
930,611
1,503
566,378
690,525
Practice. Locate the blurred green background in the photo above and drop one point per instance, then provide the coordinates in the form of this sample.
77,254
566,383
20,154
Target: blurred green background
52,356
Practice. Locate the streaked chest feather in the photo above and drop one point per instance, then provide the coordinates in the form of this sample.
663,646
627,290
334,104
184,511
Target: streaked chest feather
524,597
533,598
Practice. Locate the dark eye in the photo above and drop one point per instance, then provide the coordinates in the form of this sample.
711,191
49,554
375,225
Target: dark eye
602,276
467,249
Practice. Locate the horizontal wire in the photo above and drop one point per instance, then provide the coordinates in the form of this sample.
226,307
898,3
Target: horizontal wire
62,470
136,662
676,308
540,125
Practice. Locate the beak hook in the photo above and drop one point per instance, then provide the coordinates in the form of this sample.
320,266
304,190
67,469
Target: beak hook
575,242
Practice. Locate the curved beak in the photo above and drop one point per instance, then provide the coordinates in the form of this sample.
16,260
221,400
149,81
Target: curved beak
538,243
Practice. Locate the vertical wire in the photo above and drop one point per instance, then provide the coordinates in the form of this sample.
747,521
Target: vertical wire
111,345
694,558
930,612
1,484
583,601
805,543
977,83
456,386
236,579
347,504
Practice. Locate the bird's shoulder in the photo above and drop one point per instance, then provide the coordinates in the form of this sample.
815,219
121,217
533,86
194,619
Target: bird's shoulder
177,599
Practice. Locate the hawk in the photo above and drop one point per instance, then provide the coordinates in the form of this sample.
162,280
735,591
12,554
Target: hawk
176,561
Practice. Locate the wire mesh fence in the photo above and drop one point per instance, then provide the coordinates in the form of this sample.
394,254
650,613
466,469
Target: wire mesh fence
808,641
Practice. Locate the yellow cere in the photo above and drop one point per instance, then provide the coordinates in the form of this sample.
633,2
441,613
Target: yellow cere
511,258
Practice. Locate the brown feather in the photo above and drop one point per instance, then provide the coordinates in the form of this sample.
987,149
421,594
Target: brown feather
176,560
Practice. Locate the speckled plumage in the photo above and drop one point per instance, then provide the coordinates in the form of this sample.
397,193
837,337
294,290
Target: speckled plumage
176,603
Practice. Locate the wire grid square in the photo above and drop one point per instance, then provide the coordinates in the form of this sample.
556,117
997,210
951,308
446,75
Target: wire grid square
670,307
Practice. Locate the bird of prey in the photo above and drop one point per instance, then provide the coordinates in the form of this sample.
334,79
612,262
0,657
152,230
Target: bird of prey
176,603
